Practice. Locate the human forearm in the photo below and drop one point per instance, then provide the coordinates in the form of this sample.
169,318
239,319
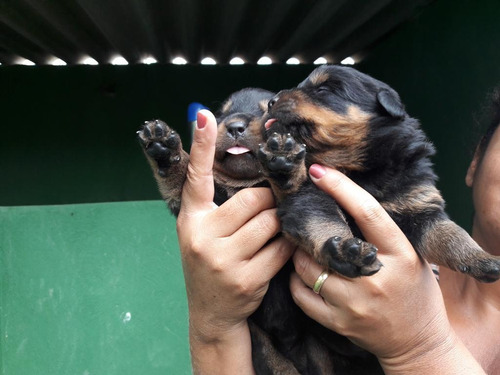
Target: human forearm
229,353
449,357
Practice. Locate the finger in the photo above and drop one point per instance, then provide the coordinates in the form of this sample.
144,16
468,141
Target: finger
369,215
335,289
198,190
241,208
254,234
272,257
311,303
333,294
307,269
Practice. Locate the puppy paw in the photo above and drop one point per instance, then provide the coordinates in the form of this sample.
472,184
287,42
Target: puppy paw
486,270
282,159
281,153
161,143
351,257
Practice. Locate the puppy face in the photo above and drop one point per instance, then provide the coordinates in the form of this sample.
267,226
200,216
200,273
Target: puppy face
334,112
239,134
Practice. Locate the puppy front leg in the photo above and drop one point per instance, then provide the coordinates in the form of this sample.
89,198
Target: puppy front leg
309,217
163,149
313,220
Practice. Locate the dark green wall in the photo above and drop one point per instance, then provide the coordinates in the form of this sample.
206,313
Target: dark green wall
444,63
68,133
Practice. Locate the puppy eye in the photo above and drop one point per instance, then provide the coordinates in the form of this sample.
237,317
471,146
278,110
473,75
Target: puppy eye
323,88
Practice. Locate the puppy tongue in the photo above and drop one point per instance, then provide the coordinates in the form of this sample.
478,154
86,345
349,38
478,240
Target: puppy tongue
237,150
269,122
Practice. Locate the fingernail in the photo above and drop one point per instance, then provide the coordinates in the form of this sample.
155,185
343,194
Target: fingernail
201,120
317,171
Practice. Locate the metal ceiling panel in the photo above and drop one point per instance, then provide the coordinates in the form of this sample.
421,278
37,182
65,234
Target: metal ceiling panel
70,30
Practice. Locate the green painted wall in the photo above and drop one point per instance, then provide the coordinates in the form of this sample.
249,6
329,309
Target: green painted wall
68,133
91,289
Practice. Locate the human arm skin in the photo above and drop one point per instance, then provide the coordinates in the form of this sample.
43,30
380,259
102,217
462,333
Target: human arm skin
398,313
227,260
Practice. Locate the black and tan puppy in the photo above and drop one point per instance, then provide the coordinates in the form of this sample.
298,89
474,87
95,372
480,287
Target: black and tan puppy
236,165
284,339
342,118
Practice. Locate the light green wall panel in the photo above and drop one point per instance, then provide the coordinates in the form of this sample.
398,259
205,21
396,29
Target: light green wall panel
91,289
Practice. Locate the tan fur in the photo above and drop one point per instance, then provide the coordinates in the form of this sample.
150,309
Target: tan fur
317,78
263,105
170,186
221,176
296,182
442,236
421,198
320,231
346,134
226,106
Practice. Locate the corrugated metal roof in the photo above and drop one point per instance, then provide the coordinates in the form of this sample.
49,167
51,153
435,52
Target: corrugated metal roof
70,31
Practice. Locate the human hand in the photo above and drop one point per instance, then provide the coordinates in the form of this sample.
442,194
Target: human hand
226,258
398,313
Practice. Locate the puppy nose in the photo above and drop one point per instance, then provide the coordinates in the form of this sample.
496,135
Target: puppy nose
236,128
272,102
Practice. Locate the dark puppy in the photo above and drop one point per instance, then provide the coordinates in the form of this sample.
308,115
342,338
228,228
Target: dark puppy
284,339
345,119
236,165
342,118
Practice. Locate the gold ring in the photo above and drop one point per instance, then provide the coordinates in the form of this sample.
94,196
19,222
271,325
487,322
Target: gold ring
320,281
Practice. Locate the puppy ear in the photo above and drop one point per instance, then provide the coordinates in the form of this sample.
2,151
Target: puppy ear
391,103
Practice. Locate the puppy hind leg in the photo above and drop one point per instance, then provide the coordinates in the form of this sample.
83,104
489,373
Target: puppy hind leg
265,356
447,244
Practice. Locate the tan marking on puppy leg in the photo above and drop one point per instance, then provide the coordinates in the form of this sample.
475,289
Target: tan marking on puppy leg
447,244
319,231
421,198
170,186
296,182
